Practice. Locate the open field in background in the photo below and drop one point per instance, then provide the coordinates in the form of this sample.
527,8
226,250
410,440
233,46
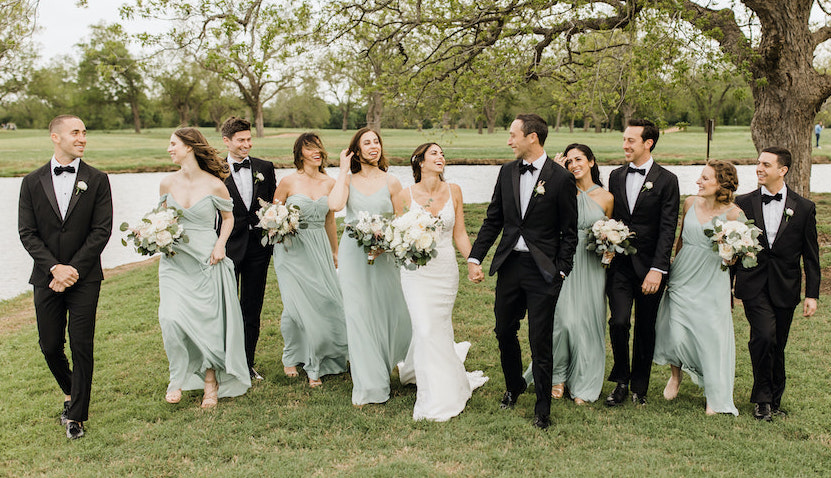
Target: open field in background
123,151
283,428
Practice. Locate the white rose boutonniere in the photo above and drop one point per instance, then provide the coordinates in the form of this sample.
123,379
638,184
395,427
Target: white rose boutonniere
80,187
647,186
539,190
258,177
788,213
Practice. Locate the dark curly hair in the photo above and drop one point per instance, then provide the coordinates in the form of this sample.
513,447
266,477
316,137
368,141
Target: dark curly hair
727,179
312,141
206,155
355,148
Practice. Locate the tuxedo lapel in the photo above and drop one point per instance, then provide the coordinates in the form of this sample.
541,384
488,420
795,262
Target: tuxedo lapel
233,191
758,216
790,203
620,191
515,186
49,189
545,174
652,176
83,175
254,186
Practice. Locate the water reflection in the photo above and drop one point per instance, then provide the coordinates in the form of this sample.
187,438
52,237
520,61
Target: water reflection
135,194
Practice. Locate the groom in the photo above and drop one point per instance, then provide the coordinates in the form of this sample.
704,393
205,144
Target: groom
534,206
65,219
646,200
250,179
770,291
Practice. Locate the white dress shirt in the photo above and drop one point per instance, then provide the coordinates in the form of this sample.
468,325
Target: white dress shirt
772,212
634,183
527,183
244,179
64,184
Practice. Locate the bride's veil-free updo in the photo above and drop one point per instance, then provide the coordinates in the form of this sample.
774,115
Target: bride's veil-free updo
727,178
418,157
206,155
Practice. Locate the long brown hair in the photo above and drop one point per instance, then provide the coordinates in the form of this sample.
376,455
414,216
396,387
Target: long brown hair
311,141
206,155
417,159
355,148
727,179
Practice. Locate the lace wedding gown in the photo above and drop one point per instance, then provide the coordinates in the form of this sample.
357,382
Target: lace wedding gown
435,362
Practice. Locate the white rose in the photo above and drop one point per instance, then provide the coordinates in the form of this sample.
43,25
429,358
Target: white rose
425,240
725,251
163,238
614,237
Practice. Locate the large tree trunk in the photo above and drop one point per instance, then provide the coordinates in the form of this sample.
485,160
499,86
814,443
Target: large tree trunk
628,111
258,119
559,120
490,115
136,118
345,120
375,111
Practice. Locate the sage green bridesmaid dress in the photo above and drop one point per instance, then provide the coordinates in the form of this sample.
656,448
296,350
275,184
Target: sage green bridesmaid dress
694,329
378,325
579,348
313,324
199,311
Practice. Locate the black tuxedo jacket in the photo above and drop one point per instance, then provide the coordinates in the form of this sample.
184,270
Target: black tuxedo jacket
77,240
778,270
549,226
246,219
653,220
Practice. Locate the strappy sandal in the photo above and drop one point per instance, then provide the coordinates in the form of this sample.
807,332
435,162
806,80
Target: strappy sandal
315,383
209,400
291,372
558,390
173,397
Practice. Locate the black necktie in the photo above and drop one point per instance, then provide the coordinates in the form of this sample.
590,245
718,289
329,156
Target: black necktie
64,169
526,168
245,163
767,198
642,172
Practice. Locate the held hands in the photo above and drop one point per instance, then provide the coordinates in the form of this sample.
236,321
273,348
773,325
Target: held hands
63,277
474,273
651,282
345,159
810,307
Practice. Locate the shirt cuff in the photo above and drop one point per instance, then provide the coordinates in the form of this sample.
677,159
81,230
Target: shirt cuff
473,260
53,268
659,270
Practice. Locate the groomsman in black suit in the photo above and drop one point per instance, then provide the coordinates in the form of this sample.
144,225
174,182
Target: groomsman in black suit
65,219
534,206
770,291
250,179
646,200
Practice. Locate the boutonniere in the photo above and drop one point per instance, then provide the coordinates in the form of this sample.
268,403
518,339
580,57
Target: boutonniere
258,177
788,213
540,189
647,186
80,187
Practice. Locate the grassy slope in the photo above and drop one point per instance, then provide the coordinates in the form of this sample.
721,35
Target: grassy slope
283,428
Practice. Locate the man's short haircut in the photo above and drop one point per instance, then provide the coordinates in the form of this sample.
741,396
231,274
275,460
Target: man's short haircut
783,156
533,123
234,125
650,131
58,120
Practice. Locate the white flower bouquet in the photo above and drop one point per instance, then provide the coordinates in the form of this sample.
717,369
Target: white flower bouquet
278,221
368,231
158,231
735,240
412,238
608,237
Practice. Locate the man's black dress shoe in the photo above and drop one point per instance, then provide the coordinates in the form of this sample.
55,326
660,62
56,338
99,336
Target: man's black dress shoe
253,374
508,400
762,412
542,422
74,430
64,418
638,398
778,412
618,395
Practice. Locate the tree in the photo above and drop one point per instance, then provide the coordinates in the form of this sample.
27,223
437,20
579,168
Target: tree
772,40
253,44
17,24
108,69
183,86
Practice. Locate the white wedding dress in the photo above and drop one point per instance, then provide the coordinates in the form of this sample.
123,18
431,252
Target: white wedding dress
435,363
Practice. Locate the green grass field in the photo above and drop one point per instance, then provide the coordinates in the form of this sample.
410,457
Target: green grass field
123,151
281,427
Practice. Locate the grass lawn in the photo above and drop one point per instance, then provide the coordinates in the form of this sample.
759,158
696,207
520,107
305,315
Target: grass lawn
281,427
124,151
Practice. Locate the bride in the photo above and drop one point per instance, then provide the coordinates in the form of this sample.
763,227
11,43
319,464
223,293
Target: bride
430,291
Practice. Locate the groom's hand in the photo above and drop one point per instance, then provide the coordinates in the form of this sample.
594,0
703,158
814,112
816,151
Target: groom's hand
810,307
65,275
651,282
474,272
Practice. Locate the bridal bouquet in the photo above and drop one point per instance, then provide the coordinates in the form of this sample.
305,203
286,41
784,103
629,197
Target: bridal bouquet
735,240
412,238
608,237
278,221
368,231
158,231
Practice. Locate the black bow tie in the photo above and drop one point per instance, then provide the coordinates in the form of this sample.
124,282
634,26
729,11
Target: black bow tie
64,169
526,168
767,198
642,172
245,163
